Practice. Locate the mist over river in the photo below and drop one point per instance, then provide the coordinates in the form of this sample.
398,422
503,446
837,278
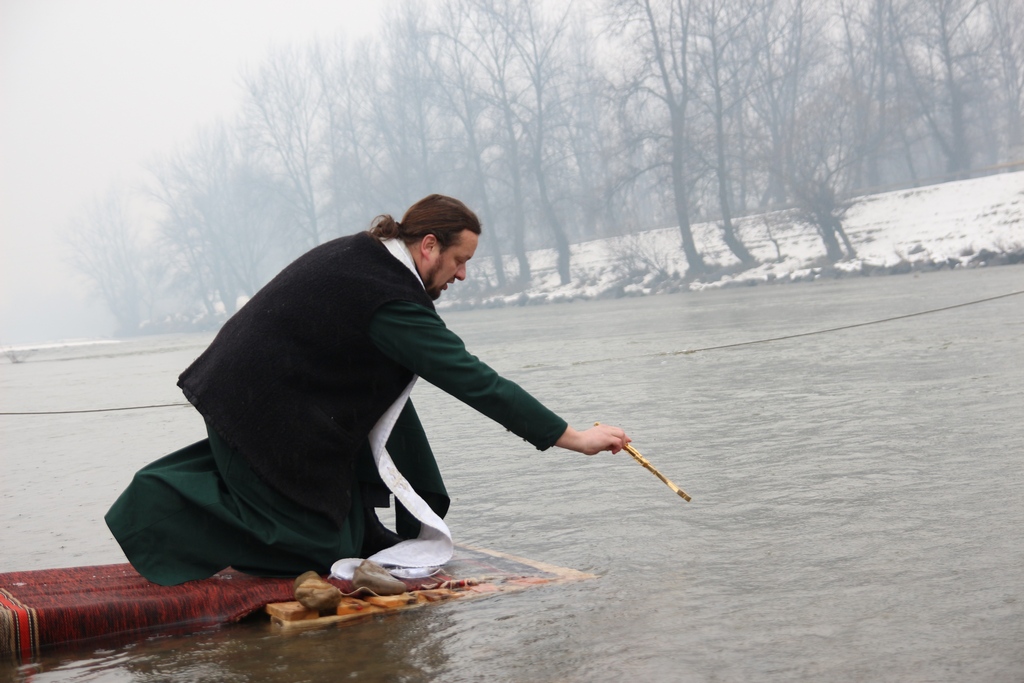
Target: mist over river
857,513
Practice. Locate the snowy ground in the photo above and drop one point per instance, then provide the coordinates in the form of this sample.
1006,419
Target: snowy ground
958,224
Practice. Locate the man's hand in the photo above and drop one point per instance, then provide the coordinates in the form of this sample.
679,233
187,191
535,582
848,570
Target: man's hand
594,440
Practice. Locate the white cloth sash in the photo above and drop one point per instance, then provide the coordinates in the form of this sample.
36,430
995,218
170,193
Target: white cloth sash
433,547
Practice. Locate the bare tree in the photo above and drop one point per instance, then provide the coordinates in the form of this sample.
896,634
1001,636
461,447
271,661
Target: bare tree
1007,21
106,246
537,43
725,63
822,158
405,115
459,73
283,112
785,53
222,219
941,43
592,137
868,55
344,75
661,32
496,55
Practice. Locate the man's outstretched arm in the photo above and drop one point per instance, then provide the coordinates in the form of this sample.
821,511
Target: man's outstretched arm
418,339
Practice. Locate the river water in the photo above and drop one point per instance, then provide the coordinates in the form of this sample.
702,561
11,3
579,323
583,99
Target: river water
857,513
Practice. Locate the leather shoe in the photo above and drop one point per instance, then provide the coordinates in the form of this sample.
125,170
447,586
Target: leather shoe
376,536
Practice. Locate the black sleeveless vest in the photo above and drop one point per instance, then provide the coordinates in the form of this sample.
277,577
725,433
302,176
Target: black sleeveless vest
292,381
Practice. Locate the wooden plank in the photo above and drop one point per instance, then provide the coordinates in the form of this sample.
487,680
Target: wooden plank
290,611
435,595
355,606
505,575
391,601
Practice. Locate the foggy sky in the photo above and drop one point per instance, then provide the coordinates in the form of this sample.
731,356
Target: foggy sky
90,90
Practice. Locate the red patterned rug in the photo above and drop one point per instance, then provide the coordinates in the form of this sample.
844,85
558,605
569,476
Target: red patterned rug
53,606
50,607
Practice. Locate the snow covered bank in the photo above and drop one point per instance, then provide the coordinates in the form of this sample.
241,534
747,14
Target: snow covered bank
965,223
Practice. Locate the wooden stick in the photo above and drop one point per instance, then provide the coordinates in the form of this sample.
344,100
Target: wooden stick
646,463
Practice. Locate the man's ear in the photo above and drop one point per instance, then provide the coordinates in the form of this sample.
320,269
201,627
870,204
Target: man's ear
428,244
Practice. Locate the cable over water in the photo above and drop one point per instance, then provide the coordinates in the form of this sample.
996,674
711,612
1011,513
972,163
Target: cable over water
97,410
843,327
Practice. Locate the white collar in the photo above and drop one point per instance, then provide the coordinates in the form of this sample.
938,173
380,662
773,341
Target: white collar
400,251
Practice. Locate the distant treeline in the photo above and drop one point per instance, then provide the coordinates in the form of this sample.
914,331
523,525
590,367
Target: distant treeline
559,122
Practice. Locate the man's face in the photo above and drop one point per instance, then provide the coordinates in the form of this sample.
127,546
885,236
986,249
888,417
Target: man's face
443,267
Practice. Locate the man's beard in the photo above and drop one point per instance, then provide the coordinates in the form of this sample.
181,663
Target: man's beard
433,290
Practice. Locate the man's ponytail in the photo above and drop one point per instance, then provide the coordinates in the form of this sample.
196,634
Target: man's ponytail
384,227
443,217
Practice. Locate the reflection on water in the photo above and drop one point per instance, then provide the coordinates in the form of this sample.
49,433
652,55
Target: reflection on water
856,514
378,649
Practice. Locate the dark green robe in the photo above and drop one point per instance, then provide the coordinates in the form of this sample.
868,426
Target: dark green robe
201,509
